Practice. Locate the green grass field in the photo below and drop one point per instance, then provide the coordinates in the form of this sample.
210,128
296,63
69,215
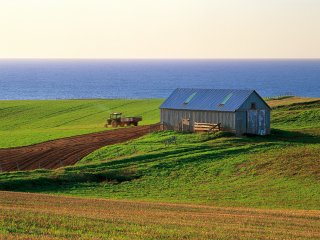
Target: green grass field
29,122
280,171
277,171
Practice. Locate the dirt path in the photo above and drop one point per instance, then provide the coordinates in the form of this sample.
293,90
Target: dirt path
65,151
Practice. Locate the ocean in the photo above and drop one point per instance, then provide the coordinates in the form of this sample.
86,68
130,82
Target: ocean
134,79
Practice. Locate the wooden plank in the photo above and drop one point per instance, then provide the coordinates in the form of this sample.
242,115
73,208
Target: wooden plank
207,124
206,127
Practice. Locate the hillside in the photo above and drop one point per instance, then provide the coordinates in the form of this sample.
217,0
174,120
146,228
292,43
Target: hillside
277,171
29,122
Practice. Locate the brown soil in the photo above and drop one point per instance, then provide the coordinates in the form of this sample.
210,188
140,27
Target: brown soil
65,151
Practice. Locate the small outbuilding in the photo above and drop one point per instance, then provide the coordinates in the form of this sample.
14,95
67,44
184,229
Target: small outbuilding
238,111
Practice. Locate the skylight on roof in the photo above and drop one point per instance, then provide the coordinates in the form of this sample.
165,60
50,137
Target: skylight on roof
225,100
190,98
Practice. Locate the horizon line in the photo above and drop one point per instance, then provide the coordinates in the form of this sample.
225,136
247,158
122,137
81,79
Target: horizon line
181,59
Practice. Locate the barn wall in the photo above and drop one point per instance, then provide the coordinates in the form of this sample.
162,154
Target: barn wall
172,118
244,120
247,124
253,98
241,122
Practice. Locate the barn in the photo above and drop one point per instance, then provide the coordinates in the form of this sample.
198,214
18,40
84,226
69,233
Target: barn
238,111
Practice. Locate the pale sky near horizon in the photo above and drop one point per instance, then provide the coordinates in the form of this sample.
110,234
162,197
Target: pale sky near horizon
159,29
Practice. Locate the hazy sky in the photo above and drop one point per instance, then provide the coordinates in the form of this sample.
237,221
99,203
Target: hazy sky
159,28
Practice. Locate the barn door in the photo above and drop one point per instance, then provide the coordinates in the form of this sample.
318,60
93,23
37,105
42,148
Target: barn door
262,122
257,122
252,124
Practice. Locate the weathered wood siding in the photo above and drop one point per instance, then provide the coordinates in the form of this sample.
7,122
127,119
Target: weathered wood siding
173,118
243,120
253,98
254,121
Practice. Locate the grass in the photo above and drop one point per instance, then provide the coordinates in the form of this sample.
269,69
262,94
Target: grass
224,171
33,216
29,122
277,171
244,178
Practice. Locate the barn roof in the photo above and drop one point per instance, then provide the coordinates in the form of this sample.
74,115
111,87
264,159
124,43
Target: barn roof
226,100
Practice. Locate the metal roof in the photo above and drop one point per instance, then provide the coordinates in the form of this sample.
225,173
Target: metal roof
226,100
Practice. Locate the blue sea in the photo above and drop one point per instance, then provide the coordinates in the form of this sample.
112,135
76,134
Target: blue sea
76,79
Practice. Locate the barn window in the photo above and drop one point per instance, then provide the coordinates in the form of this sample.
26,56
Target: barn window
190,98
225,100
253,105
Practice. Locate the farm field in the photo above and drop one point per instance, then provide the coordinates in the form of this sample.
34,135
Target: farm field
29,122
205,186
36,216
66,151
277,171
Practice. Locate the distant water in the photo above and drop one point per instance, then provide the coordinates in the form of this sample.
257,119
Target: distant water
65,79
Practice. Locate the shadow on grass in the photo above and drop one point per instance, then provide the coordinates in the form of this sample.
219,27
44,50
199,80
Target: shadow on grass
52,180
114,172
279,135
210,156
118,171
293,136
135,167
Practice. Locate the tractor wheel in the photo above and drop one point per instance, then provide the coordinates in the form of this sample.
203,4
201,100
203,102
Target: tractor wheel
114,124
135,124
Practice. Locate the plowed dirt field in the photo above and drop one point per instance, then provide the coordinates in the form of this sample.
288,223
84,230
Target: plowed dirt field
66,151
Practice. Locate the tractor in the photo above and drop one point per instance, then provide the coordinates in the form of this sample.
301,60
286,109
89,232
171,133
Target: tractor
117,120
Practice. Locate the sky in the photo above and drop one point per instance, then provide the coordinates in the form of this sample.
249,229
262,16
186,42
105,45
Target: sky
160,29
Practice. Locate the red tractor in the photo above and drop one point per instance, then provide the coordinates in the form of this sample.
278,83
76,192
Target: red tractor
117,120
